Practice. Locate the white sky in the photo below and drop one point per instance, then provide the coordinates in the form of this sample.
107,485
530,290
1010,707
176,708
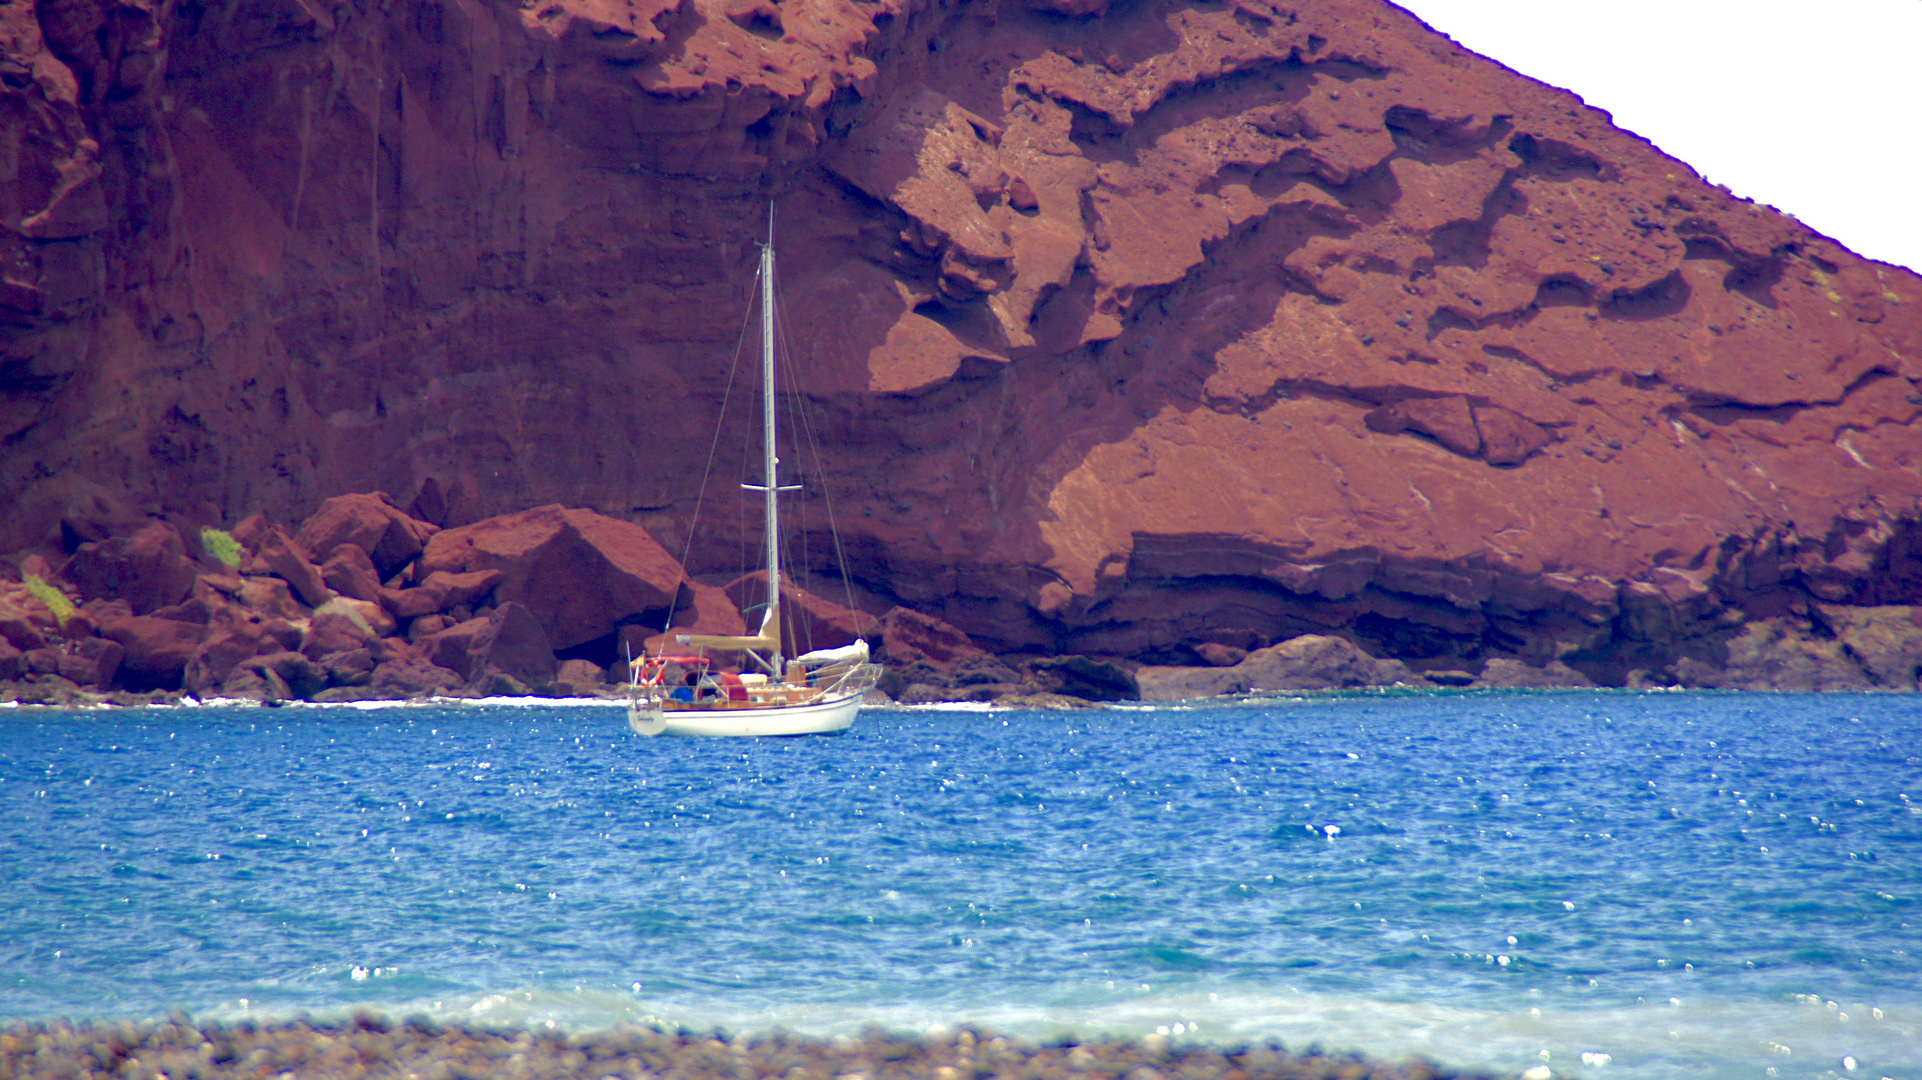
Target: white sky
1814,108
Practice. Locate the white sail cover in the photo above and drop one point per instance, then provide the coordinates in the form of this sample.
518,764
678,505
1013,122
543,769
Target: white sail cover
857,652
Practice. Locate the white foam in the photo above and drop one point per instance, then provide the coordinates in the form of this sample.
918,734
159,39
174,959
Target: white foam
1623,1042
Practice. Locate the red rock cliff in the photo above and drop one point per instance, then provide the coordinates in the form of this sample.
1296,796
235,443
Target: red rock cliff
1133,326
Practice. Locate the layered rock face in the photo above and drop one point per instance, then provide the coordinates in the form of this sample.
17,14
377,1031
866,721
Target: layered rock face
1146,329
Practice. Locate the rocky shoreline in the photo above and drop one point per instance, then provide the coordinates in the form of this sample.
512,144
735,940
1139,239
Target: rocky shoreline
364,601
419,1049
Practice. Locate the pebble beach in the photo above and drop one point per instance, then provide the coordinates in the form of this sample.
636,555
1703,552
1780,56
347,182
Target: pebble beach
419,1049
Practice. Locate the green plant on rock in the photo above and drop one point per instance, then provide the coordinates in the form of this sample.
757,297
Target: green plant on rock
222,546
55,600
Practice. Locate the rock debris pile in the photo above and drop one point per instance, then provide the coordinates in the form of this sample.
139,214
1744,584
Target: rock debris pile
365,601
370,1047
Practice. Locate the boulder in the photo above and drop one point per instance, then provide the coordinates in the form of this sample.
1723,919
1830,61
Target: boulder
97,611
348,692
371,617
370,522
1502,673
253,683
1782,653
808,621
291,563
82,624
268,597
1315,661
194,609
331,632
908,637
1886,641
1448,420
13,662
354,667
404,677
580,677
980,677
1508,438
18,629
1177,683
580,574
49,689
349,572
157,649
1081,677
430,503
251,532
440,591
1218,655
149,569
231,643
92,662
302,677
1308,662
509,641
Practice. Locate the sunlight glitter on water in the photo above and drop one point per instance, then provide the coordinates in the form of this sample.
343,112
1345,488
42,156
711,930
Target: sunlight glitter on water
1349,871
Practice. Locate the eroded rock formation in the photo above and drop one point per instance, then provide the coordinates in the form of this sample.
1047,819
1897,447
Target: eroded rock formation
1149,329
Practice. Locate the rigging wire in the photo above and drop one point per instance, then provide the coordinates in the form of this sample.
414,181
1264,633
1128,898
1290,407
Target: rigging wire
694,520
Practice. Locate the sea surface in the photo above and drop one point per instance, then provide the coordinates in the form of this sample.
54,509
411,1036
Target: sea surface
1613,884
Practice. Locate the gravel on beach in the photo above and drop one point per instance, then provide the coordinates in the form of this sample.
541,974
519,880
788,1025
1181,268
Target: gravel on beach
419,1049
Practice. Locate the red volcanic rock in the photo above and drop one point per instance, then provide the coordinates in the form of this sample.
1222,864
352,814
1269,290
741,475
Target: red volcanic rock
156,650
1081,677
269,597
290,561
371,523
149,569
329,633
580,677
411,677
807,621
440,591
1447,420
1508,439
1092,303
18,629
240,637
252,531
302,677
93,662
349,572
578,572
1220,655
1309,662
910,637
510,641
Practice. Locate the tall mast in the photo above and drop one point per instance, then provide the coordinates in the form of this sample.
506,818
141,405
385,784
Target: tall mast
771,494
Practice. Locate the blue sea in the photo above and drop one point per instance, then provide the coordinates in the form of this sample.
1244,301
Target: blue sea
1609,884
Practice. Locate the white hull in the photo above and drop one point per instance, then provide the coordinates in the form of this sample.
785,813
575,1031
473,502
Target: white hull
826,718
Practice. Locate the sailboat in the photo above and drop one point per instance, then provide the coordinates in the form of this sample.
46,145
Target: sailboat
816,693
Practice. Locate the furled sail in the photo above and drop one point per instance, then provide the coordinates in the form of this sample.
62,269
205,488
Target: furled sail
856,653
766,643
